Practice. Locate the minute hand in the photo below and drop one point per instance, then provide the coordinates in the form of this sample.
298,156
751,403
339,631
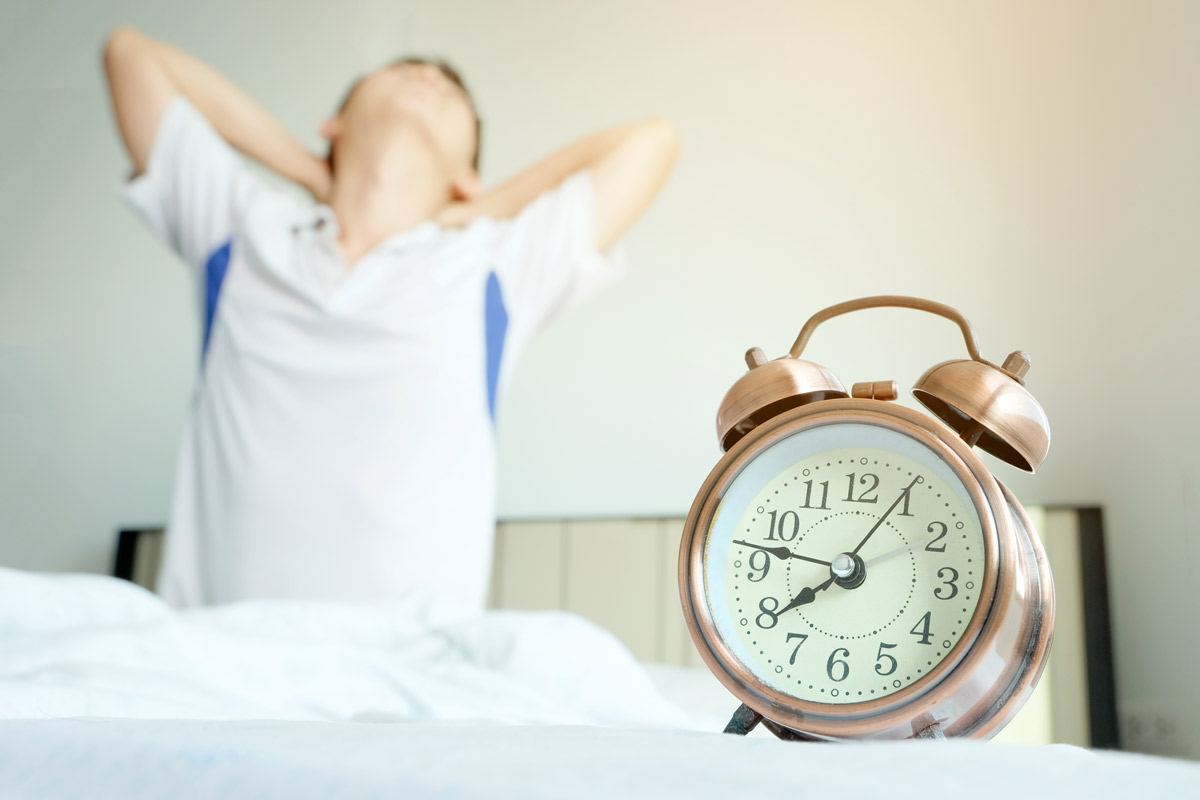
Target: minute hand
891,508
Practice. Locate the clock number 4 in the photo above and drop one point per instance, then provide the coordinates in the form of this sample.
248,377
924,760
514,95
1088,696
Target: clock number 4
921,629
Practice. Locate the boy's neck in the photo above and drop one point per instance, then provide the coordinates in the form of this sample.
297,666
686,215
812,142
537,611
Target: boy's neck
377,195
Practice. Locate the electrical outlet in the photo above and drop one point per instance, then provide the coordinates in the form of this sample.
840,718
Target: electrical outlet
1152,731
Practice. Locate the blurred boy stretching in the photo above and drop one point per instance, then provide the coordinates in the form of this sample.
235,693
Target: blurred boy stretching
340,442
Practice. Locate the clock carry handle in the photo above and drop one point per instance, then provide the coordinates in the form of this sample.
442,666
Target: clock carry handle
888,301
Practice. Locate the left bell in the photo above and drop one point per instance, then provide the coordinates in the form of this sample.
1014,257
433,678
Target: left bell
769,389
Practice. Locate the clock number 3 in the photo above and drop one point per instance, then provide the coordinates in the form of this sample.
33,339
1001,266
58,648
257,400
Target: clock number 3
953,587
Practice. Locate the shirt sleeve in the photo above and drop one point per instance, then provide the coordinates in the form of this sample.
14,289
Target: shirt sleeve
192,186
546,256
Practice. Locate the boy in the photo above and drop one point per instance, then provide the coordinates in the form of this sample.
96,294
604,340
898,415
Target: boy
340,443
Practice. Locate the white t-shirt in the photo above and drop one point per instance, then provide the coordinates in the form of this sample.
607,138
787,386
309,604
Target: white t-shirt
340,442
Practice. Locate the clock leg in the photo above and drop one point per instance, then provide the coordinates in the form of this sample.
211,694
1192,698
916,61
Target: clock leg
744,720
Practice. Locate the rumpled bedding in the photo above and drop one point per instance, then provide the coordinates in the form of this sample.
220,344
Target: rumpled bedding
87,645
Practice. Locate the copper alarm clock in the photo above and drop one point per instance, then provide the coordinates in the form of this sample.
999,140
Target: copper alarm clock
851,569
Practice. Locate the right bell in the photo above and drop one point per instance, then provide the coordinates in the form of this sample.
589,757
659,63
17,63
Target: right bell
990,407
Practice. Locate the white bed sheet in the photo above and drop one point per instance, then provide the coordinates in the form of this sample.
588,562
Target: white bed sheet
132,759
107,692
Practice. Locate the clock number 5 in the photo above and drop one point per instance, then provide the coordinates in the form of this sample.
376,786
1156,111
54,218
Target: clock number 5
882,655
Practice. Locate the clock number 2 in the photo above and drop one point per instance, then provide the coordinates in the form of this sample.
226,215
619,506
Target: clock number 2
929,548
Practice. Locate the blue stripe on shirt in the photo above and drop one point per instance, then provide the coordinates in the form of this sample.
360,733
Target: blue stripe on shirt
496,326
214,275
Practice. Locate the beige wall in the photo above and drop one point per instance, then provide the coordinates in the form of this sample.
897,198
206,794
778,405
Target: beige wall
1034,163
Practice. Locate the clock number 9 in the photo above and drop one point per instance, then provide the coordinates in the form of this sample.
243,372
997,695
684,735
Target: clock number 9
834,660
765,561
769,613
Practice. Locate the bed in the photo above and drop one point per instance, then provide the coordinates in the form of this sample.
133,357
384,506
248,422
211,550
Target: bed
107,692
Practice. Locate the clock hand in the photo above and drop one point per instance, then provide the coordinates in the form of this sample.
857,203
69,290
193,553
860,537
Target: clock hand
781,552
895,552
806,595
891,508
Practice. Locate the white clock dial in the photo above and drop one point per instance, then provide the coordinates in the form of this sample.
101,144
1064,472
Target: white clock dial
845,563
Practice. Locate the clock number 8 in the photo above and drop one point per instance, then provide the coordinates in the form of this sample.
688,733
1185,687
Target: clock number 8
769,613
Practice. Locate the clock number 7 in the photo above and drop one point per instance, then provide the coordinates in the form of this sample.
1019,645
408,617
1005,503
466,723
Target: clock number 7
802,637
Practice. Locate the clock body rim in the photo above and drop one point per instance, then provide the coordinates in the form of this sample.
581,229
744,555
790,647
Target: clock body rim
969,693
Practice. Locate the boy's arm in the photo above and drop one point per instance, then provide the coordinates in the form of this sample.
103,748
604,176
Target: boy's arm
144,74
628,165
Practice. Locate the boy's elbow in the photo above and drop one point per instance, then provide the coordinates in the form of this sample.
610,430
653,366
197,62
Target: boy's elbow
120,40
664,132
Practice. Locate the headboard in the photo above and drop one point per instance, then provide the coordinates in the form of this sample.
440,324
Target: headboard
573,565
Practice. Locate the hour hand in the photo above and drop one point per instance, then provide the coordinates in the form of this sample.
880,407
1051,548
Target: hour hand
781,552
805,596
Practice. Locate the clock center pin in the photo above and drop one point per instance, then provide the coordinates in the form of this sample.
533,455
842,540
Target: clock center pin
848,570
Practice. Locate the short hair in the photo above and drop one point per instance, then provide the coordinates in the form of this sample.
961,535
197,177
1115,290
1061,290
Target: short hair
451,75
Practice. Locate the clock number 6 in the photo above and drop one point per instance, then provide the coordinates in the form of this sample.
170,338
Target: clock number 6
833,659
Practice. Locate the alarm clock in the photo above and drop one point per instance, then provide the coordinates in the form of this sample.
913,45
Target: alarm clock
851,569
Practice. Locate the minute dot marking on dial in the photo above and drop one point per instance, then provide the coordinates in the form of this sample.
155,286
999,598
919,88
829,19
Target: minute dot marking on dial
907,600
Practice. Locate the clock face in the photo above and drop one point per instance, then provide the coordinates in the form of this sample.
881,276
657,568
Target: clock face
845,563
